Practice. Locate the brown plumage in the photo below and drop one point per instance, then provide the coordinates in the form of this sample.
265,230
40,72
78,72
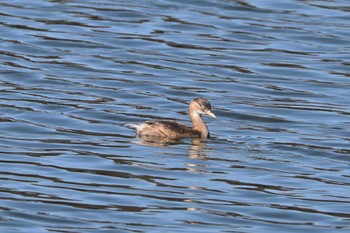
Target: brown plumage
172,129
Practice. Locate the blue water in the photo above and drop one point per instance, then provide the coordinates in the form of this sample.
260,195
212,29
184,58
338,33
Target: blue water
73,73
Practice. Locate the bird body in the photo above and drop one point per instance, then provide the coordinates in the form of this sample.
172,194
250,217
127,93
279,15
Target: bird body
172,129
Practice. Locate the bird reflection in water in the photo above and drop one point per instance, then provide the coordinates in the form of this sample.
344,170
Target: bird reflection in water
197,148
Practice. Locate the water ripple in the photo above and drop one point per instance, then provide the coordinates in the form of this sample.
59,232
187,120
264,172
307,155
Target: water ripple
74,72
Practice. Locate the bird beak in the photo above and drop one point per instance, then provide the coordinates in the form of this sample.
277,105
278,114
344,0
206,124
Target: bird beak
210,113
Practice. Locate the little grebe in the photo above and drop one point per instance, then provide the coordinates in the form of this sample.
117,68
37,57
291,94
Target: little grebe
172,129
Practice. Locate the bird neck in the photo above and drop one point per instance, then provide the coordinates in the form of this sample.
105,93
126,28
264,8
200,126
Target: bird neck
198,124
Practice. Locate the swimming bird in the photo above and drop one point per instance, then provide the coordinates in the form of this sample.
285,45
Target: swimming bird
173,130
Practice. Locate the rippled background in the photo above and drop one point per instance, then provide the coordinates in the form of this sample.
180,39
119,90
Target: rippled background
73,72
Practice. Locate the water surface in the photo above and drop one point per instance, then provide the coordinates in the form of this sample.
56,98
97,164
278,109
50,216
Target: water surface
73,73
